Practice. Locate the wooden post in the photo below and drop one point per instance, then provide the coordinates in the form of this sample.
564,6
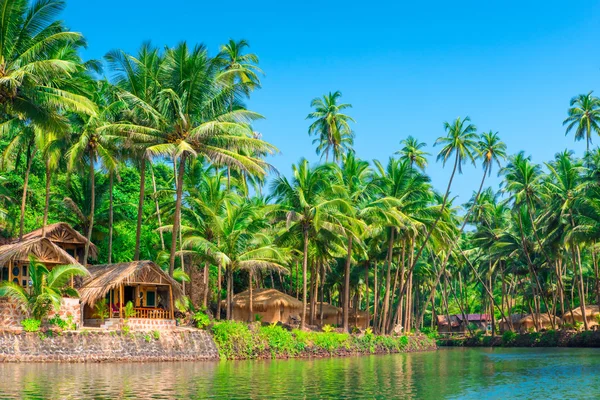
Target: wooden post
171,302
121,301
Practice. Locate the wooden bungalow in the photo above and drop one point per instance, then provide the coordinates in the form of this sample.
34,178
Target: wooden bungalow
544,321
332,315
458,322
453,325
14,258
575,315
270,304
67,238
143,283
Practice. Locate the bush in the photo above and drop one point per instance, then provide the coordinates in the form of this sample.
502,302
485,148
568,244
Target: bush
233,339
280,341
62,324
101,310
31,325
156,335
129,310
201,320
509,337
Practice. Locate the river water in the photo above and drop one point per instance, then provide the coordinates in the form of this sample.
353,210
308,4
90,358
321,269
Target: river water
447,373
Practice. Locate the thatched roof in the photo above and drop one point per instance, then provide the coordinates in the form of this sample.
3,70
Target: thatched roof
264,299
62,233
328,310
590,313
43,249
541,318
109,276
514,318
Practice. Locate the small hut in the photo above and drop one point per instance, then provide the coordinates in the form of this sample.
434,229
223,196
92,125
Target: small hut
453,325
65,237
14,258
332,315
544,321
143,283
514,319
270,304
358,319
575,315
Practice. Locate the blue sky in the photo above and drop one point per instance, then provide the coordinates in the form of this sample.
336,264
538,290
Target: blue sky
406,68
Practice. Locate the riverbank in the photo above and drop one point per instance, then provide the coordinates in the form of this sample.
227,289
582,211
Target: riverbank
534,339
227,340
239,341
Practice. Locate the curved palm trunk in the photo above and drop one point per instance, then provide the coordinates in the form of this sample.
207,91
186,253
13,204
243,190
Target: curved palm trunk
219,284
30,152
346,309
140,213
304,270
367,308
47,201
110,215
250,291
92,208
177,216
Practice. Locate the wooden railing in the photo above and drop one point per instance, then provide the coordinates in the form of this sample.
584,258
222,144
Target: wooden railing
152,313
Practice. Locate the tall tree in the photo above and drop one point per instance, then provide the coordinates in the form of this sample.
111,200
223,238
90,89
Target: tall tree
584,117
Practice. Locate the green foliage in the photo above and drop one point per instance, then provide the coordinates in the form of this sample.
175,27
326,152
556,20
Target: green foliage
129,310
280,341
233,339
156,335
258,317
62,324
31,324
201,320
328,328
101,309
509,337
126,329
148,337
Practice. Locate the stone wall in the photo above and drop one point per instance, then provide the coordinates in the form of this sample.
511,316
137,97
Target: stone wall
11,314
98,346
136,324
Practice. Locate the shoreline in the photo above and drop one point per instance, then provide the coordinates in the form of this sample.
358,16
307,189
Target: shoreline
586,339
242,342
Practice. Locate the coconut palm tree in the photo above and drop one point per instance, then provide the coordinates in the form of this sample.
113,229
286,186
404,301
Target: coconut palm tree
411,150
584,117
331,126
309,207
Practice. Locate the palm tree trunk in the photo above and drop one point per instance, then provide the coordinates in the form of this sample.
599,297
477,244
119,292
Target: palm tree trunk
219,284
160,232
30,153
313,283
47,202
110,215
177,216
304,271
250,292
92,208
580,287
140,213
367,308
346,308
386,298
205,284
375,296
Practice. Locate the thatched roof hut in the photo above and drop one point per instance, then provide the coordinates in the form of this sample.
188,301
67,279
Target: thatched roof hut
272,306
514,319
43,249
64,236
107,277
544,321
574,315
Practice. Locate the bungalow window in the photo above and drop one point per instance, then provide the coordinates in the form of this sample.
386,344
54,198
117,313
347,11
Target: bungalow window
150,298
3,273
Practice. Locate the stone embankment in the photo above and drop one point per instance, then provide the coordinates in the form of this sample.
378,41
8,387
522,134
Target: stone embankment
103,346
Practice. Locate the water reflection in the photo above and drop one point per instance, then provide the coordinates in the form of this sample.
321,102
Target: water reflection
456,373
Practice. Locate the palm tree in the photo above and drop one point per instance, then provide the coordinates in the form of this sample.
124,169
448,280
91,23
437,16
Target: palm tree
190,118
331,126
47,290
459,142
95,144
309,208
584,117
412,152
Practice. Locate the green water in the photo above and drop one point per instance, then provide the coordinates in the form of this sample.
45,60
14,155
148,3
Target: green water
451,373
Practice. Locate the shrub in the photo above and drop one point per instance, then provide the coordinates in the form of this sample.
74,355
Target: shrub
279,340
129,310
62,324
328,328
258,318
101,310
156,335
233,339
31,325
201,319
126,329
147,338
509,337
